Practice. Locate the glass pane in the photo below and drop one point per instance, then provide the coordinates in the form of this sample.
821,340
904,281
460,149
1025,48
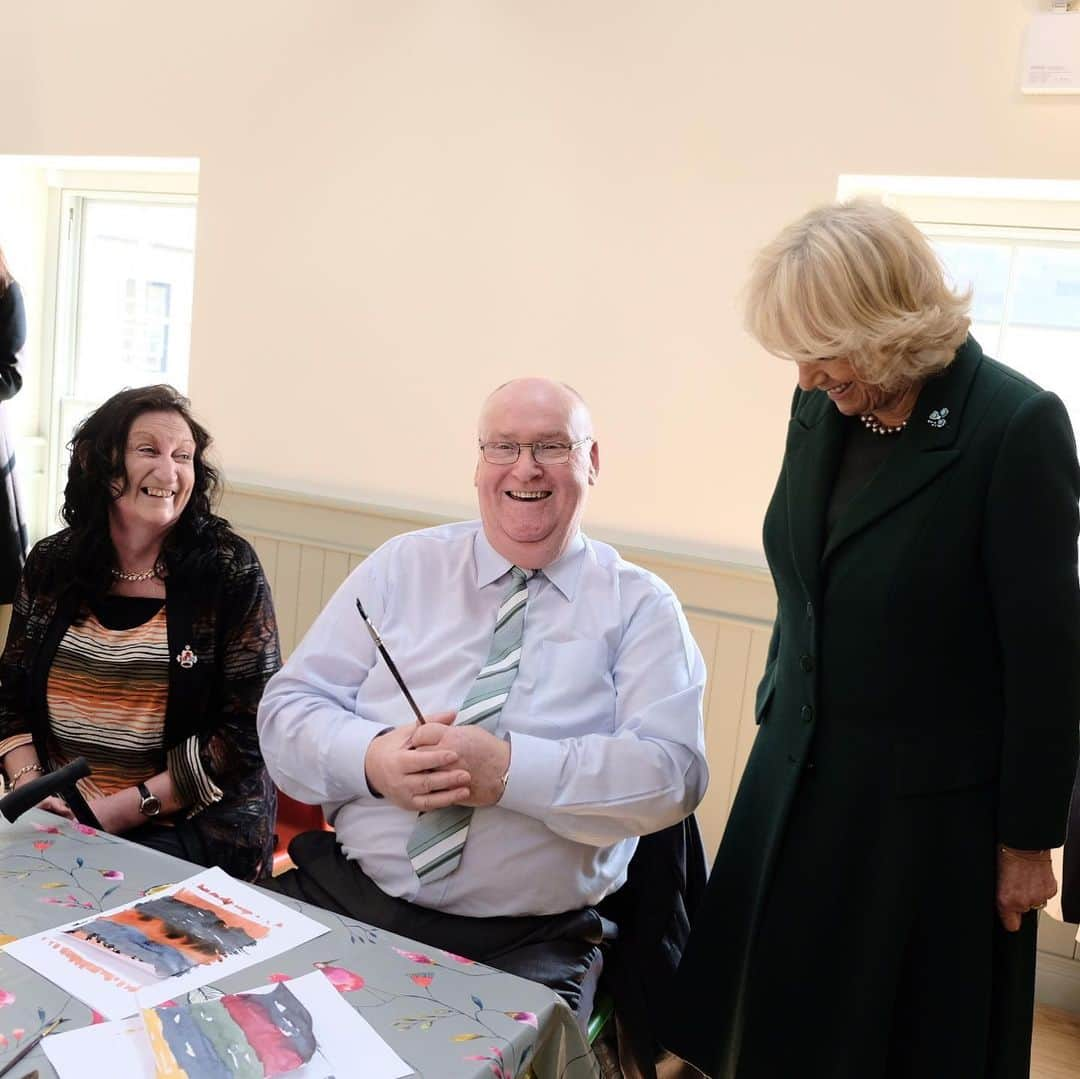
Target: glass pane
1042,337
988,334
1047,287
1050,357
135,287
982,266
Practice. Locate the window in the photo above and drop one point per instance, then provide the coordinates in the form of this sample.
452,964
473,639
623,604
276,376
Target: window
1016,244
1026,299
125,275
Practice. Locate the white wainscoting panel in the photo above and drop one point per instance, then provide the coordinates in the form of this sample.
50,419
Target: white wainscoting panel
309,545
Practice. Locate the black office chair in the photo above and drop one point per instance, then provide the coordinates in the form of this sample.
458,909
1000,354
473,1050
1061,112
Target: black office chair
61,782
653,910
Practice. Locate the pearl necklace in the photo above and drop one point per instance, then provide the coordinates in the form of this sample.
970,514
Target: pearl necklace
123,575
872,423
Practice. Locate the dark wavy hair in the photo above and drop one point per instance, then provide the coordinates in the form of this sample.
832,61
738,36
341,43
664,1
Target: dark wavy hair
97,471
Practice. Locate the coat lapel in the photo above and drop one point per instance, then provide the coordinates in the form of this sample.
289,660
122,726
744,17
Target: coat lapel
925,449
815,439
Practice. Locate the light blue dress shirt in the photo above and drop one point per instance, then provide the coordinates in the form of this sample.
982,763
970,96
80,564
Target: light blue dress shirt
605,716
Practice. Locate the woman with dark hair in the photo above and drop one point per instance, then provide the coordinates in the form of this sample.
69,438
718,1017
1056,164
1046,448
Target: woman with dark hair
12,526
142,637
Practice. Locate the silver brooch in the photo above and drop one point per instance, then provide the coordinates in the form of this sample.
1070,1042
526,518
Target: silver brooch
187,658
938,418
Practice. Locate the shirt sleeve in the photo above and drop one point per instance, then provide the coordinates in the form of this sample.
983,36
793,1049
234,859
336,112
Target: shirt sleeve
191,779
15,742
650,771
313,740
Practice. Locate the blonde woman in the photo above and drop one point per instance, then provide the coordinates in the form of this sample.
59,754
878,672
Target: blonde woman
871,911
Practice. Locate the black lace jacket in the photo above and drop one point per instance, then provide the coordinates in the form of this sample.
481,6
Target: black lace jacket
220,621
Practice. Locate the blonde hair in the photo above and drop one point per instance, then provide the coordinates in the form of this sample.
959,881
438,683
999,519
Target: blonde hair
858,281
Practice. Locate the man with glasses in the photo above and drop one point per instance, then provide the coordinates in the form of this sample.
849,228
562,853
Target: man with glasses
562,693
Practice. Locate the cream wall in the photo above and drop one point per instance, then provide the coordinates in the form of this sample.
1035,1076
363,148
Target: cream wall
403,203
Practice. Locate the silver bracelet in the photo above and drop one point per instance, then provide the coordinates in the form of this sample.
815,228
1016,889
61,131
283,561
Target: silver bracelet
12,780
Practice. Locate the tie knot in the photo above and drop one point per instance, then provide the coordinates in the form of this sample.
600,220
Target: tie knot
521,575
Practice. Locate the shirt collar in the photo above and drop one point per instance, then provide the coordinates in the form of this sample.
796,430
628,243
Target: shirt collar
564,573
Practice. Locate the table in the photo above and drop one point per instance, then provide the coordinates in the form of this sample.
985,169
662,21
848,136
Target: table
442,1014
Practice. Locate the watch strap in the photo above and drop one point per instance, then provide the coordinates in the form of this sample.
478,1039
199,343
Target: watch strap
149,804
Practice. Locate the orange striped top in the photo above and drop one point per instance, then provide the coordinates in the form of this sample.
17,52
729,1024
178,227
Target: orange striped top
107,692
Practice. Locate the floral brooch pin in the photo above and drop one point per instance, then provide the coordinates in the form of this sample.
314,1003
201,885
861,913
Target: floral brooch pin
187,658
938,418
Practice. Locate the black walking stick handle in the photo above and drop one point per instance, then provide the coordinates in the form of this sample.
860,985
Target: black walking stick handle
61,782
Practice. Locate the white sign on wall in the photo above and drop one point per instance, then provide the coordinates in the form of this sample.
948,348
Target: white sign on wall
1052,54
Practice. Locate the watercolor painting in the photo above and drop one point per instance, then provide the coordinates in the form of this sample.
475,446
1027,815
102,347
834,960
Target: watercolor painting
241,1035
303,1030
172,934
160,947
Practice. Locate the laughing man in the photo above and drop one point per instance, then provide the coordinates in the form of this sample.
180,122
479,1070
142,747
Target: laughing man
575,692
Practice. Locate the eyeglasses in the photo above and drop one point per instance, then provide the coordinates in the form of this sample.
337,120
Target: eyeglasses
544,453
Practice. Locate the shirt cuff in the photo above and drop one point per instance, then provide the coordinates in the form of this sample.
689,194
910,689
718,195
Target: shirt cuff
16,741
535,767
343,763
194,786
371,790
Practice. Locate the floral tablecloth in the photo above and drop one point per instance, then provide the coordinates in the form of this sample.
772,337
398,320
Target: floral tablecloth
441,1013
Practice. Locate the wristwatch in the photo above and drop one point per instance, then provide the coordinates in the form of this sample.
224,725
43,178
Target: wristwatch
150,804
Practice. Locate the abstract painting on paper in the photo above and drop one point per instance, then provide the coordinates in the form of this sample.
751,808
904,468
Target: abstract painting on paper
303,1030
141,954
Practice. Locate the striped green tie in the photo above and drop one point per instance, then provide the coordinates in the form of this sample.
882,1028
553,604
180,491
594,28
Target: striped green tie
438,838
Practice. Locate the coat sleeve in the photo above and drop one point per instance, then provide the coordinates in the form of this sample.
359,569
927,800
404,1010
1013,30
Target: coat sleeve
1030,555
12,339
16,660
226,749
768,678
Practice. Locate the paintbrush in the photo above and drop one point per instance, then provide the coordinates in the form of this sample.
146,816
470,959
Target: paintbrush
389,662
30,1046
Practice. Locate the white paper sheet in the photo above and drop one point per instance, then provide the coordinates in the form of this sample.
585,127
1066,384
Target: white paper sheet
349,1048
103,1051
117,985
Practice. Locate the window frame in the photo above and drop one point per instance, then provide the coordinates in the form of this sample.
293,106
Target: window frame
69,191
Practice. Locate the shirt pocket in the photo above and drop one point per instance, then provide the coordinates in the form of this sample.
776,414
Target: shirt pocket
573,693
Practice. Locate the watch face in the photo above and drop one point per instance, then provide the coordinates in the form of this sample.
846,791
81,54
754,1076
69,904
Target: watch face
150,806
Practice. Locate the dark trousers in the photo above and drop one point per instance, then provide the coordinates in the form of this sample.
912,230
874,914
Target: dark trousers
561,951
179,839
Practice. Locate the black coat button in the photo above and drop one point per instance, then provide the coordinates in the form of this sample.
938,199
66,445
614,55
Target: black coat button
809,610
807,714
807,663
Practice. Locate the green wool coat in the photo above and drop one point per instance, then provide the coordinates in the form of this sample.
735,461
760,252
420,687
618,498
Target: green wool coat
920,705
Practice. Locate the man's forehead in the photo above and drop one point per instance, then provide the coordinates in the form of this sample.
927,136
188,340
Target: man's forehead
542,408
542,435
